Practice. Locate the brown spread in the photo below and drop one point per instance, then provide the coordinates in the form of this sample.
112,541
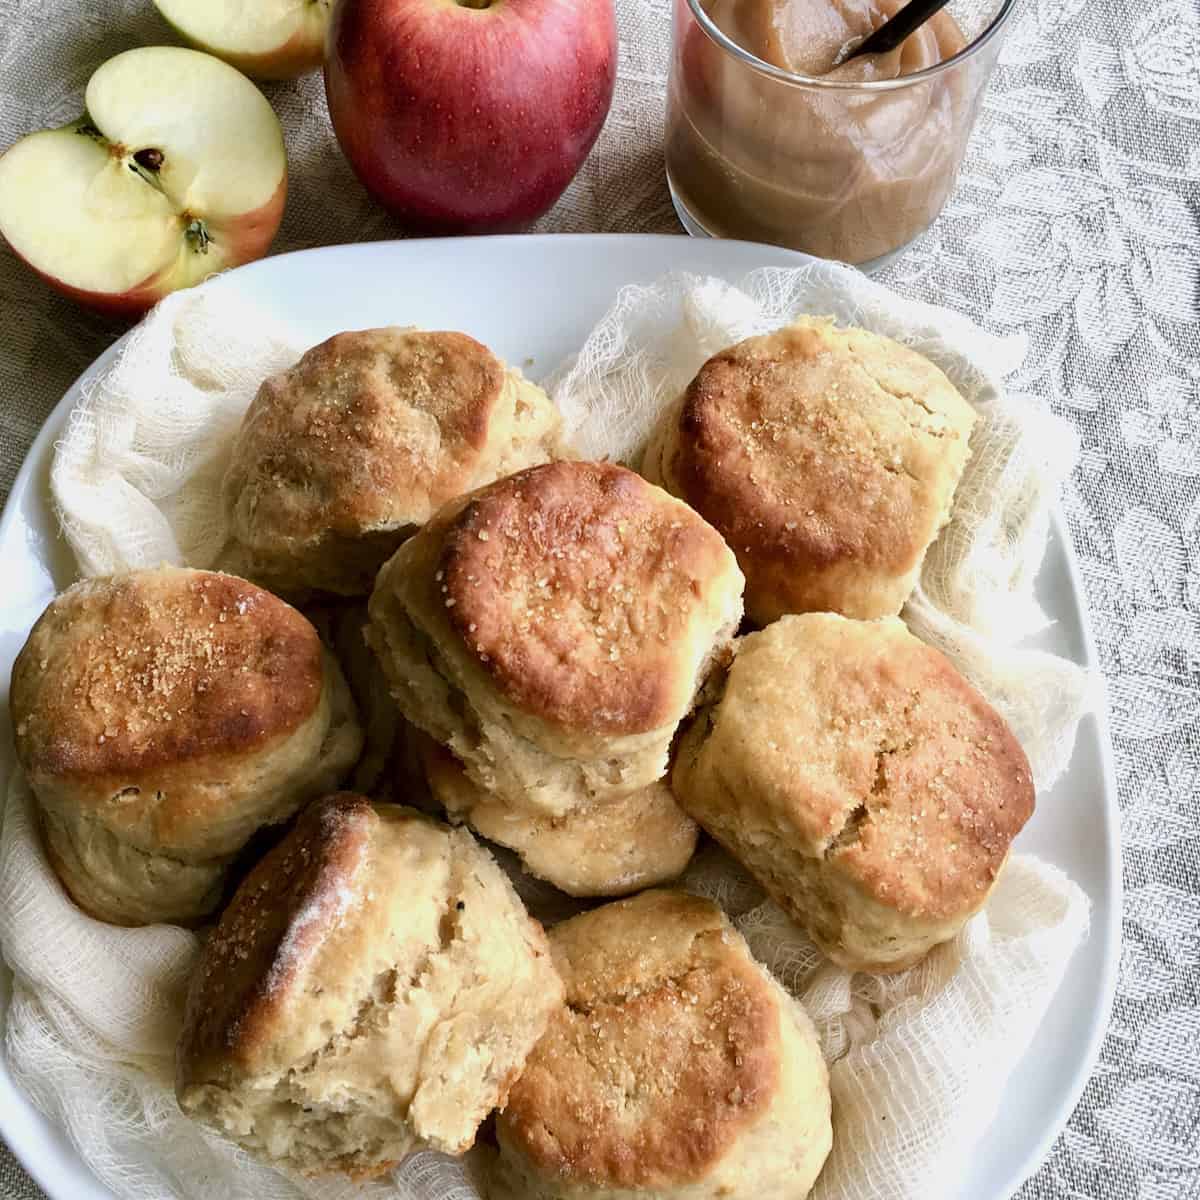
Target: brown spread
851,174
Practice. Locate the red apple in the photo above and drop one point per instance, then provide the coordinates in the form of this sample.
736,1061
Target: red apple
469,115
176,170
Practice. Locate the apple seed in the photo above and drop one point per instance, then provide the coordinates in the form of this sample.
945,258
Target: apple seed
150,158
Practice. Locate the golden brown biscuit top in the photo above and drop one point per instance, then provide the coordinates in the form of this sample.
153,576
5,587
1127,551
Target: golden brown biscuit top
156,667
587,594
880,756
368,430
815,444
667,1049
256,965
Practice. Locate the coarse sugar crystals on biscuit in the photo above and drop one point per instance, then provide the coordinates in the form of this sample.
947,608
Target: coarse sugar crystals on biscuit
862,780
347,453
828,458
162,717
678,1067
553,628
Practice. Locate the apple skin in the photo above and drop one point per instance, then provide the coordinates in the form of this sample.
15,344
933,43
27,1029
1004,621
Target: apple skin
244,240
132,304
469,119
300,54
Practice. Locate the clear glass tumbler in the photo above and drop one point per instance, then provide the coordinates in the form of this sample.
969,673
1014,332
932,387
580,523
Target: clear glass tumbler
845,168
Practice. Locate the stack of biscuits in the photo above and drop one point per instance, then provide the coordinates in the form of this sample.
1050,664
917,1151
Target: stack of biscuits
569,666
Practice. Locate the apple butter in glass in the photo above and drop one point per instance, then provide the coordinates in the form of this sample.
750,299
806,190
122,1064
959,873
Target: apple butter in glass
772,138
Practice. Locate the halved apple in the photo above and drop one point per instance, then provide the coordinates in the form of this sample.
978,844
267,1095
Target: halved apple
269,39
177,170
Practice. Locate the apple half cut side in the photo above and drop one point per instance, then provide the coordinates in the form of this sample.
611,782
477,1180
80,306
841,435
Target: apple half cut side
268,39
176,171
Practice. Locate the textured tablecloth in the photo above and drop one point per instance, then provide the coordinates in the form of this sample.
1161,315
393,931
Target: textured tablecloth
1077,220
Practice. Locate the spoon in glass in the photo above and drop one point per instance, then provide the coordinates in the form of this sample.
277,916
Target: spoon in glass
891,33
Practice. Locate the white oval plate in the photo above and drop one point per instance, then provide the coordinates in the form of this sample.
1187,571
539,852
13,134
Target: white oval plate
534,299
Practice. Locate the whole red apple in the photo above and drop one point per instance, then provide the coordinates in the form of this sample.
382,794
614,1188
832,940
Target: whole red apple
469,115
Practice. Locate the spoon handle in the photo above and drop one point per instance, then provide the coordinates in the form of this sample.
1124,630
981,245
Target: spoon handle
891,33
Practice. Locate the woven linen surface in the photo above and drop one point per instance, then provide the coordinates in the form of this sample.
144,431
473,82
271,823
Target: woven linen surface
1077,221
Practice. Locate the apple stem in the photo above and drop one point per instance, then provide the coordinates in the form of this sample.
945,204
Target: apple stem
197,236
475,4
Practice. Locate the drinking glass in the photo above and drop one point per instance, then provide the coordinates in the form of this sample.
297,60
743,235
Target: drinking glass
843,169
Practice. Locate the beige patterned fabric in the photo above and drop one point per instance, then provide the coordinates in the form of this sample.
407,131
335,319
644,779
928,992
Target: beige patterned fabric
1077,222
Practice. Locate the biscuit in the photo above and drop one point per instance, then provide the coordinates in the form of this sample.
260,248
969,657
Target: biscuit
607,848
344,455
862,780
828,459
677,1068
162,717
552,630
373,988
